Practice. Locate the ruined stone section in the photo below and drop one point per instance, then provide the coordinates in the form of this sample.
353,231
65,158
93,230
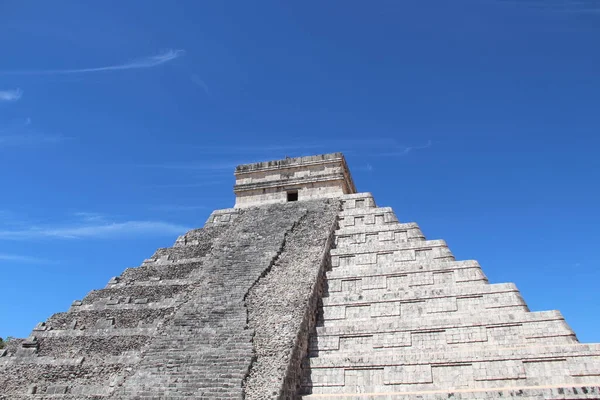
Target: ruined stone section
88,351
282,306
208,349
401,318
292,179
217,217
178,326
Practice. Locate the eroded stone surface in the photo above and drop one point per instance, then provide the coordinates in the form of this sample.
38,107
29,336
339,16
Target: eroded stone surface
178,326
282,307
401,318
329,296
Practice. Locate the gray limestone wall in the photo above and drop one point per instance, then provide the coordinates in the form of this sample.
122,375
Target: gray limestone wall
402,319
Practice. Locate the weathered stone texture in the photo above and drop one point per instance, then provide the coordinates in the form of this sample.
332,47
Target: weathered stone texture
207,350
401,318
330,297
194,321
282,307
311,177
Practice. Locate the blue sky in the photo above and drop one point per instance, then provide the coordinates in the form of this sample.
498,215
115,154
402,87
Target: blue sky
121,123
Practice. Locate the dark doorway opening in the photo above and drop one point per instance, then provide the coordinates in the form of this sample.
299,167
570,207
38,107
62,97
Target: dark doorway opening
292,195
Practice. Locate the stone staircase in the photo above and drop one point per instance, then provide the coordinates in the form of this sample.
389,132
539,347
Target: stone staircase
89,351
198,320
401,318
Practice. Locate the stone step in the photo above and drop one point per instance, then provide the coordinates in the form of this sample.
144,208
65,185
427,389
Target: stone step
108,319
375,229
393,252
386,247
507,390
124,303
404,268
220,217
358,200
154,281
157,271
96,347
379,216
451,339
397,253
416,303
365,211
380,345
470,373
497,292
536,320
127,294
369,234
33,359
194,244
582,353
41,332
365,279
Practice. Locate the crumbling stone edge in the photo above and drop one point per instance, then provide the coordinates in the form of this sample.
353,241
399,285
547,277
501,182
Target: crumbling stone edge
265,272
292,384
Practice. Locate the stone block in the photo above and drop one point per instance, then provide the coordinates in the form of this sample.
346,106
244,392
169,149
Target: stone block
407,374
392,339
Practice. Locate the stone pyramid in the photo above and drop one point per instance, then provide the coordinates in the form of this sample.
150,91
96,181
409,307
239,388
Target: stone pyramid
305,289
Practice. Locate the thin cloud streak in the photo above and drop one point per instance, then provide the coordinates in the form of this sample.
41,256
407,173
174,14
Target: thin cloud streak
176,207
142,63
29,140
202,183
364,168
200,83
11,95
89,216
193,166
342,145
105,230
402,151
560,6
372,147
15,258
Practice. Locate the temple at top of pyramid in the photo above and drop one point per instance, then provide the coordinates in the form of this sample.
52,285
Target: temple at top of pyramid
291,179
304,289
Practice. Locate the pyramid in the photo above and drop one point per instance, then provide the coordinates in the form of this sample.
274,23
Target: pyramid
305,289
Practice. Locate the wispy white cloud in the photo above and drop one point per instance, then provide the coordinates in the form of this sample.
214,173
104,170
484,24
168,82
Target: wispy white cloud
104,230
89,216
367,168
200,83
194,166
242,154
177,207
141,63
16,258
565,6
201,183
404,150
22,134
29,140
11,95
101,229
347,146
